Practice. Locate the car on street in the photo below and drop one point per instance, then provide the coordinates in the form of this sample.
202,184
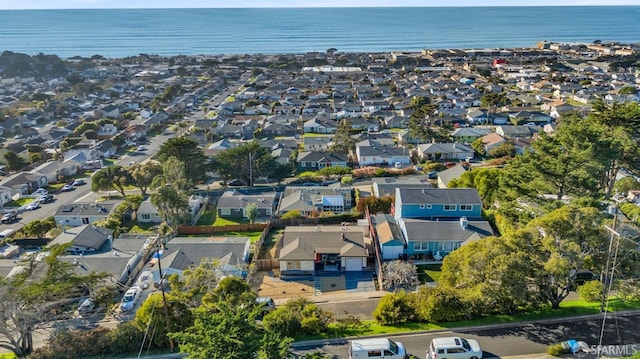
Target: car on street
41,191
141,148
67,188
78,182
9,218
33,205
46,198
130,298
454,348
145,279
236,183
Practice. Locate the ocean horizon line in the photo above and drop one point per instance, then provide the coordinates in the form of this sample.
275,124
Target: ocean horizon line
331,7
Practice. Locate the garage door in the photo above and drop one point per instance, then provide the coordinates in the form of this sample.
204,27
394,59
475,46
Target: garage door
354,264
391,252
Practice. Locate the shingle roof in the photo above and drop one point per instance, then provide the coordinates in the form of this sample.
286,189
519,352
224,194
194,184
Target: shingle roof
438,196
303,242
425,230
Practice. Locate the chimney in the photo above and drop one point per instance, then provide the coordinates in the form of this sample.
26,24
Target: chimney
464,223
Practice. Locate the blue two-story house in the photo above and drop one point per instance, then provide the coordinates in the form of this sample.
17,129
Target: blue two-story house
431,222
437,203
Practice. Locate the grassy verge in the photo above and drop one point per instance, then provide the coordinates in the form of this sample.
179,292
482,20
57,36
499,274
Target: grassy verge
567,309
253,236
142,228
19,202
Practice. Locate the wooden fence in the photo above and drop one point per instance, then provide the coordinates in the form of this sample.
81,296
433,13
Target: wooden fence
266,264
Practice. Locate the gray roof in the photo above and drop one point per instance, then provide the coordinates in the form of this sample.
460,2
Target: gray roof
383,151
425,230
235,199
438,196
321,156
388,230
303,242
88,236
451,173
84,209
452,147
187,252
386,186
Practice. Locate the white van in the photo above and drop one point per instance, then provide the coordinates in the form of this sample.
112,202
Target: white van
7,233
454,348
378,348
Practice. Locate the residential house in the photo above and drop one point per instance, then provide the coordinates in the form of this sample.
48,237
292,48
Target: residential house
317,125
278,130
446,176
230,254
6,195
317,143
386,186
86,239
469,134
234,204
315,199
445,151
437,203
107,130
492,141
385,156
78,214
57,171
521,131
308,250
363,124
317,160
148,213
25,182
390,239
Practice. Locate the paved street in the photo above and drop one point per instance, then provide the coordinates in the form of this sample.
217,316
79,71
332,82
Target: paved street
511,340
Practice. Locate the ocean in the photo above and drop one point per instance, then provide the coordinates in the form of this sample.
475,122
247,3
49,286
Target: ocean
127,32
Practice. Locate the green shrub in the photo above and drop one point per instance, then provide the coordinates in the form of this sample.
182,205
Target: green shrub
556,350
591,291
395,308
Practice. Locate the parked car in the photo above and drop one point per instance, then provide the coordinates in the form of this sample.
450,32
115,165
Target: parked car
67,188
141,148
86,307
9,218
267,304
46,198
375,348
454,348
236,183
78,182
130,298
432,175
33,205
145,279
41,191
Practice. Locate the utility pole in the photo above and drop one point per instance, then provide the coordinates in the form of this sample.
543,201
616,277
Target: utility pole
250,169
607,269
164,298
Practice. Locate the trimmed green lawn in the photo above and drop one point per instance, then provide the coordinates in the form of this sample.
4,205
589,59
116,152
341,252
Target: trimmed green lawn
253,236
229,221
429,272
142,228
8,356
208,218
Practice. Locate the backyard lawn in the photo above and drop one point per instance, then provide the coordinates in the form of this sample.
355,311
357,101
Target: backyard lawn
19,202
429,272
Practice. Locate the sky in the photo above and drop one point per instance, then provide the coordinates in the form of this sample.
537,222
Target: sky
114,4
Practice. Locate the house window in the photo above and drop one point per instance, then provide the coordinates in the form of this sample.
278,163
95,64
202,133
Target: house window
450,207
421,246
466,207
422,206
293,265
428,206
303,164
85,220
145,216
